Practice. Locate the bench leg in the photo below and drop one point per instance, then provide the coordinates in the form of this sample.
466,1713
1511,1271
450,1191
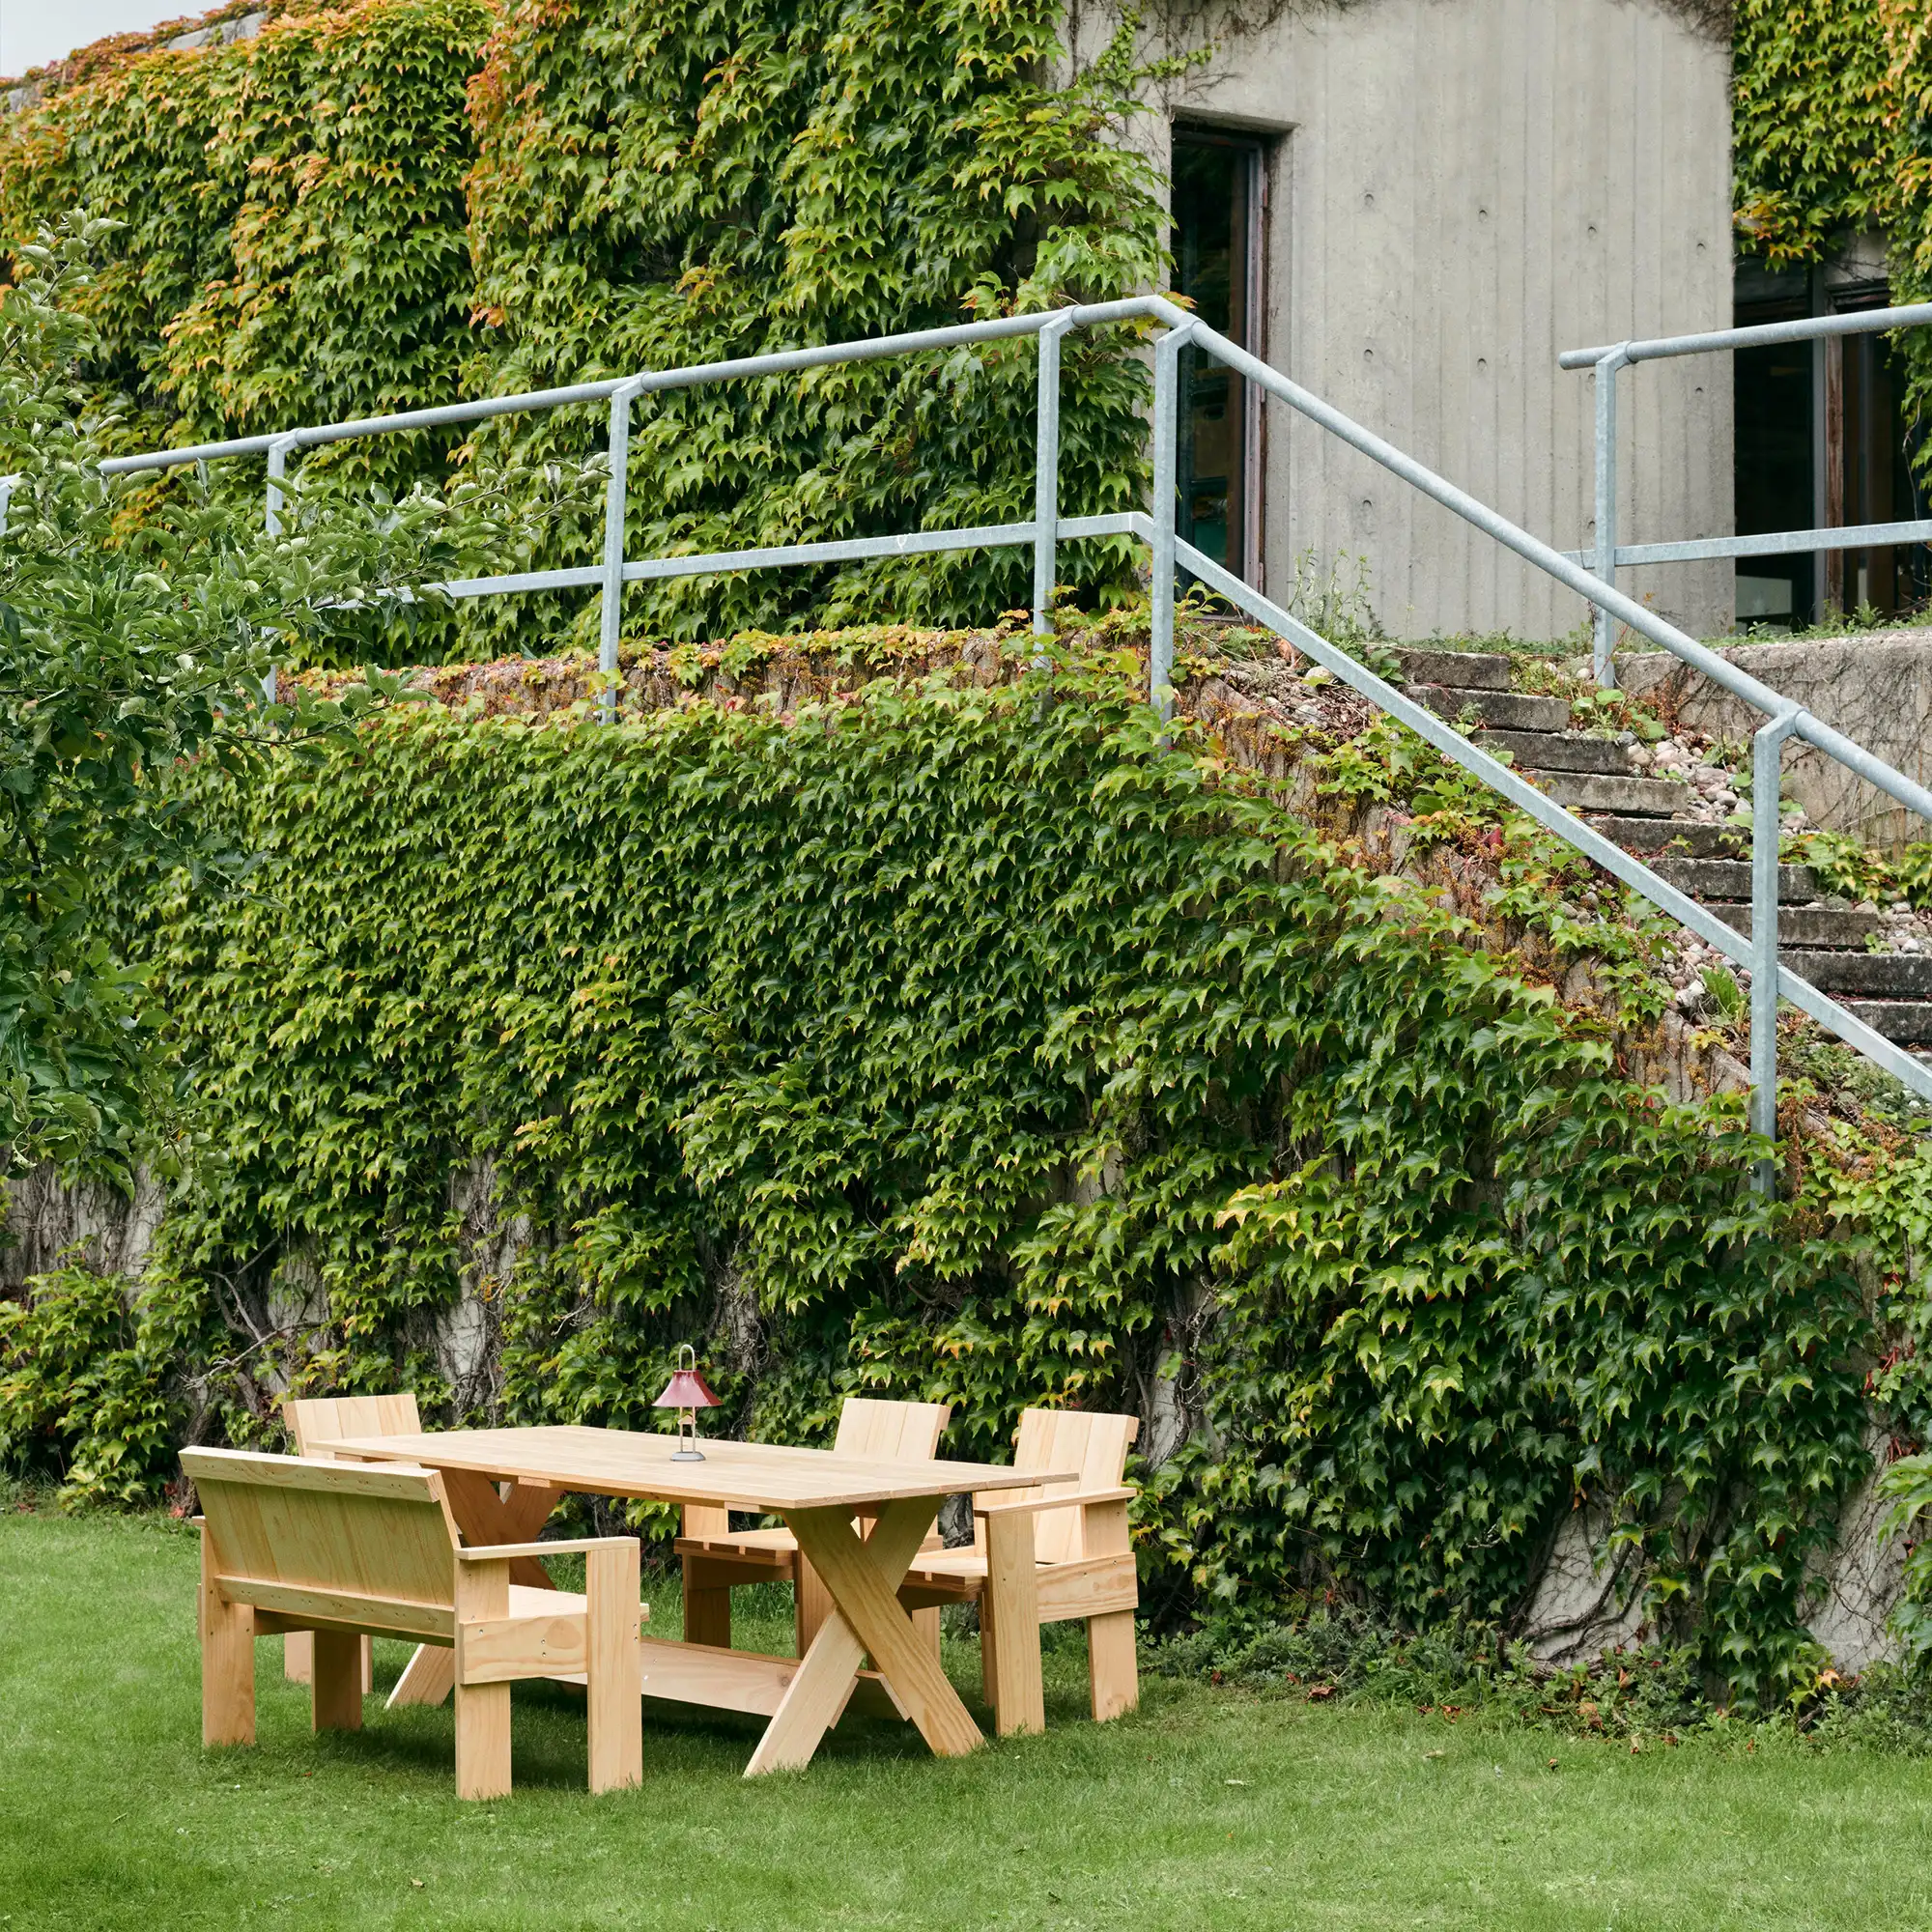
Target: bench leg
613,1668
335,1681
482,1710
227,1663
1113,1677
1010,1627
483,1739
299,1659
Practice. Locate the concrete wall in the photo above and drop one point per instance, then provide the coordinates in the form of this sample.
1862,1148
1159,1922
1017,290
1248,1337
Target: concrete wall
1459,190
1876,688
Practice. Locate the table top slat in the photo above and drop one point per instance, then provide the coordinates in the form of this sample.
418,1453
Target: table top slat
767,1477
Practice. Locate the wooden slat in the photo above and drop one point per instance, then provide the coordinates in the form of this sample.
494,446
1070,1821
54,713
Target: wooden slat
723,1679
503,1649
890,1431
733,1475
291,1472
318,1423
1092,1588
336,1609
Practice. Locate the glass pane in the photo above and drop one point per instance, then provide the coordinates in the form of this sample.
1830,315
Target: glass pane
1774,476
1210,252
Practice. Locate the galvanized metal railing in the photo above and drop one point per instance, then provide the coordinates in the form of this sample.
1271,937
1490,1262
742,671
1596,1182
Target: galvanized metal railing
1047,528
1783,719
1609,360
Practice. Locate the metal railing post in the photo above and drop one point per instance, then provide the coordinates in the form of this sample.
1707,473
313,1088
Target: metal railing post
1046,478
1166,462
278,468
616,495
1604,651
1767,825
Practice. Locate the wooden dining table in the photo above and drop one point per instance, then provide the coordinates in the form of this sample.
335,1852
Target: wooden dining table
501,1484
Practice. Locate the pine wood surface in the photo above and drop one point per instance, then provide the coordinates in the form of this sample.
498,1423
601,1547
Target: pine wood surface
733,1475
344,1550
715,1558
316,1423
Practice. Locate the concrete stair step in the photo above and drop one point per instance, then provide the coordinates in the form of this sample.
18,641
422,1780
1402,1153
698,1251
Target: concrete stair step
1896,976
1904,1022
1730,879
1460,670
1817,926
1687,839
1500,710
1635,798
1559,752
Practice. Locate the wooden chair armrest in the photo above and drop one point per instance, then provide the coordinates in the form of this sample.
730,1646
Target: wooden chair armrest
501,1552
1031,1505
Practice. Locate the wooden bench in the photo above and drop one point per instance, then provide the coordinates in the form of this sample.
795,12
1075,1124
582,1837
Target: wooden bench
344,1550
1065,1554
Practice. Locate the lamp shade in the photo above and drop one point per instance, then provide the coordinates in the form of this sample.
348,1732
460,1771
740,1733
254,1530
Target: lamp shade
687,1389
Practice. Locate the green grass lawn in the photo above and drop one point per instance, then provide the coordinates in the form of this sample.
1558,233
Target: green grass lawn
1209,1807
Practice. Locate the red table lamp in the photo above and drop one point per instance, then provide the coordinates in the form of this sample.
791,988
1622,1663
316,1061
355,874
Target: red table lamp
687,1392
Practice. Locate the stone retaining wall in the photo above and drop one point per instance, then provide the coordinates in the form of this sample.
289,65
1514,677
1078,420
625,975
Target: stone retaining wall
1875,688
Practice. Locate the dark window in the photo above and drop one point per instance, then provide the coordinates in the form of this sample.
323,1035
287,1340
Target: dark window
1823,440
1776,475
1218,192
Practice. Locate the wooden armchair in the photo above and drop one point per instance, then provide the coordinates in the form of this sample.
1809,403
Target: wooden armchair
315,1425
717,1558
342,1550
1068,1556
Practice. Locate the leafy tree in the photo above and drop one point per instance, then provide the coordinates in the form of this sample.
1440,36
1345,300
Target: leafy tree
128,646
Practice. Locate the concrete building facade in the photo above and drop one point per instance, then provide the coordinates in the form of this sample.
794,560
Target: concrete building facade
1435,198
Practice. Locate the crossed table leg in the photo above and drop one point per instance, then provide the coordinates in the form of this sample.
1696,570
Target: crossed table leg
863,1575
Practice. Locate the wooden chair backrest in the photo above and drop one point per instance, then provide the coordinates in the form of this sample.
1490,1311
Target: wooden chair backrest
890,1431
322,1420
1065,1438
359,1530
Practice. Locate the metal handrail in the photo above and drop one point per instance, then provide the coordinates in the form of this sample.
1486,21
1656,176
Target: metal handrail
1608,359
1785,720
1046,529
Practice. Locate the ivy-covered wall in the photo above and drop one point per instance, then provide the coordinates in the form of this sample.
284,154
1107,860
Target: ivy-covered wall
960,1040
403,201
1833,139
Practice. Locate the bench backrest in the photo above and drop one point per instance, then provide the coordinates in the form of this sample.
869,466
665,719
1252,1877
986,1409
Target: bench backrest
371,1535
890,1431
320,1421
1059,1439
